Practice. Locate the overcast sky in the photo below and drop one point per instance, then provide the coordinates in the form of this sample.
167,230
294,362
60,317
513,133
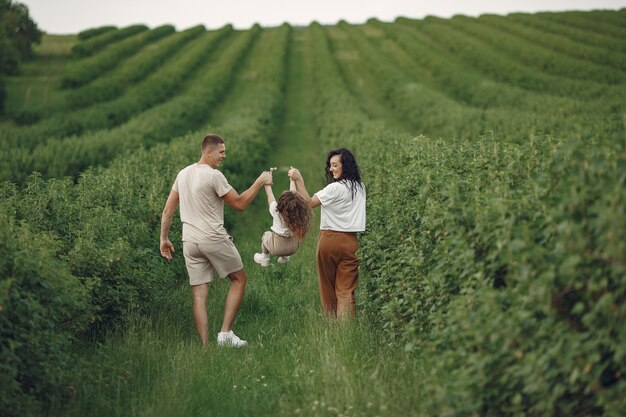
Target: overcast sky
72,16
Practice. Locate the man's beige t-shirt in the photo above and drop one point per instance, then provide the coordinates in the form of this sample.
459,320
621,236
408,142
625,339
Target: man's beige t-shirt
200,190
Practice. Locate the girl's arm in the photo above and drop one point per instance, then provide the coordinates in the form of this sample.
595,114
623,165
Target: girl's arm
270,194
298,183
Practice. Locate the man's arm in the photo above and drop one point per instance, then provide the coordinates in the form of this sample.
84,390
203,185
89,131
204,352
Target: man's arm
166,221
240,201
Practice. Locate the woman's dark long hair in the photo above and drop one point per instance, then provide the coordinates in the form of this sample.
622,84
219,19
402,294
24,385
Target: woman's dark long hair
350,172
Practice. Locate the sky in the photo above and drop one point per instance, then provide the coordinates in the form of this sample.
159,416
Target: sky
72,16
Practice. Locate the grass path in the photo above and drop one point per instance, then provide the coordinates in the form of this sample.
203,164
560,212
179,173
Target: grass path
359,80
36,88
297,363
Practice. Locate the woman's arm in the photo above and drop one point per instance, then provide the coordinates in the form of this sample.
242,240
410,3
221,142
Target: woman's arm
315,202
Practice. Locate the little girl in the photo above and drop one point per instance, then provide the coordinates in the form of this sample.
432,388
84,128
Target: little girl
291,215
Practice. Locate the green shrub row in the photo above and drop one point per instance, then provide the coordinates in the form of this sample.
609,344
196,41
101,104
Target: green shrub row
131,71
589,23
556,42
504,69
610,18
506,266
85,70
537,57
41,305
183,113
87,253
502,265
157,88
432,113
347,118
423,108
432,67
90,33
543,22
104,39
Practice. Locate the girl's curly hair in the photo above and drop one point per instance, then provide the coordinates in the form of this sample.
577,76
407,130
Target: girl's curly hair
296,213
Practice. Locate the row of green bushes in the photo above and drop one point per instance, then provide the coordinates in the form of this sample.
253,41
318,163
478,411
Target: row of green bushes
585,37
131,71
113,83
505,268
157,88
424,62
505,69
501,265
432,113
417,55
90,33
506,271
183,113
556,42
588,23
99,39
82,71
614,19
87,253
538,57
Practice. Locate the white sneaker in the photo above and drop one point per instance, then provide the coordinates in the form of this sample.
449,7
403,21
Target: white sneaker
283,259
230,339
262,259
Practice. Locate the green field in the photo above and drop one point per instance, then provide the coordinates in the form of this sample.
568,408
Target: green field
493,269
36,89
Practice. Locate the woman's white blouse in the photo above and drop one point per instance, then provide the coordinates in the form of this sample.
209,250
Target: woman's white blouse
340,211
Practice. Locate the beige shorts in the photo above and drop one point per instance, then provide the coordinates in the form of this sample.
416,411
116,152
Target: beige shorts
201,259
279,245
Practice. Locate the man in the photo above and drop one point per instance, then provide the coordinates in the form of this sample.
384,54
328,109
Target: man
201,190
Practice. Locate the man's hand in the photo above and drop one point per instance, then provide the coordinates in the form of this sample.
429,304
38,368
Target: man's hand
167,249
265,178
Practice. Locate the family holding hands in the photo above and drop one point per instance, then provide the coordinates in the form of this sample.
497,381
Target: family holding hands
200,191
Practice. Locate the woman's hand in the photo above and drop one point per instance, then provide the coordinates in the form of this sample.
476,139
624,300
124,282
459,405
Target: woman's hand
294,174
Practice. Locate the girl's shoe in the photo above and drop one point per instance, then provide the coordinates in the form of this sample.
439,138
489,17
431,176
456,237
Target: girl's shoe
262,259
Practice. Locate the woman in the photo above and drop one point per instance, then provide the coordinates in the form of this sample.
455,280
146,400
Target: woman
343,215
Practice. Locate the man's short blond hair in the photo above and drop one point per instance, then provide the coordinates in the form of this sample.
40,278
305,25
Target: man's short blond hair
211,141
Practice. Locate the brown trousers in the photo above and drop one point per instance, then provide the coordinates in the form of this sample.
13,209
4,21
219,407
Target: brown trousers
338,272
